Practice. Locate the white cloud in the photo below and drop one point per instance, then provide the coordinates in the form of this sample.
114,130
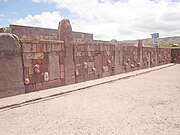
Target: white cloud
45,19
120,19
3,0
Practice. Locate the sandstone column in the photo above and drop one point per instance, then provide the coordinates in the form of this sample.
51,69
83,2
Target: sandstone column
66,35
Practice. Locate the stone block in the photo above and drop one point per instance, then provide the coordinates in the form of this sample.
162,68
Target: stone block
90,71
62,74
78,54
79,79
90,48
69,80
48,47
31,70
27,62
83,54
51,84
84,71
80,48
28,56
89,54
38,86
89,77
62,82
90,59
54,66
26,70
90,64
62,68
56,47
41,47
61,60
105,74
29,88
28,47
44,67
38,56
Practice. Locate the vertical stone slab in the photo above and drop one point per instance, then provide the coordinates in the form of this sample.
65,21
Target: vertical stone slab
140,45
118,59
65,34
98,66
149,59
11,68
54,71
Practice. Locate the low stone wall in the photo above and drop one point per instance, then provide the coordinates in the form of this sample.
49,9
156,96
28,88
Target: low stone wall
64,60
175,55
36,33
27,32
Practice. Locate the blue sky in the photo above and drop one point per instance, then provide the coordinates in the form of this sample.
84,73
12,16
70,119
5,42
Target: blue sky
14,9
106,19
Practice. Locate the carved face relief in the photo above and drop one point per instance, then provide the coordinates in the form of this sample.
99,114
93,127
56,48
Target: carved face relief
36,68
85,65
94,70
46,76
26,81
109,62
77,72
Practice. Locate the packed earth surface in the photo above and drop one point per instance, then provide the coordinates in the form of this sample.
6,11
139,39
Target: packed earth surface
147,104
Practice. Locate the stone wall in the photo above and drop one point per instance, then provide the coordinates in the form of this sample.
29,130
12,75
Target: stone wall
80,36
175,55
52,58
43,62
93,61
28,32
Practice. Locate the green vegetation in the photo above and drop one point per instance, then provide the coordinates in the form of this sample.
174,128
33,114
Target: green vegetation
169,42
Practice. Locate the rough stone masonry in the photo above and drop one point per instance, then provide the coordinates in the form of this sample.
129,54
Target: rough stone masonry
45,58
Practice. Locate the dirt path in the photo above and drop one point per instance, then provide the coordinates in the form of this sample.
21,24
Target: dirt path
148,104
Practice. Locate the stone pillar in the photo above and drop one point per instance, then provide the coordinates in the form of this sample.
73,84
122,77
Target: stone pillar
118,59
140,45
11,68
65,34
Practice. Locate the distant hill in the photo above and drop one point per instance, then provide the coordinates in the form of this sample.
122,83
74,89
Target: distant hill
164,42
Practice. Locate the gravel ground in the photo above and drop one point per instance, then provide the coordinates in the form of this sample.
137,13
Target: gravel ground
147,104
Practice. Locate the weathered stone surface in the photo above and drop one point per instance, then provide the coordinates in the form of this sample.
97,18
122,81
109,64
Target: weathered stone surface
62,75
76,60
27,62
56,47
38,56
66,35
54,66
98,65
89,77
29,88
41,47
28,47
118,59
38,86
28,56
79,79
51,84
11,69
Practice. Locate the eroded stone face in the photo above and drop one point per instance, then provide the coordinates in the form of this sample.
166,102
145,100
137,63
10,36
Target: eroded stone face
11,68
